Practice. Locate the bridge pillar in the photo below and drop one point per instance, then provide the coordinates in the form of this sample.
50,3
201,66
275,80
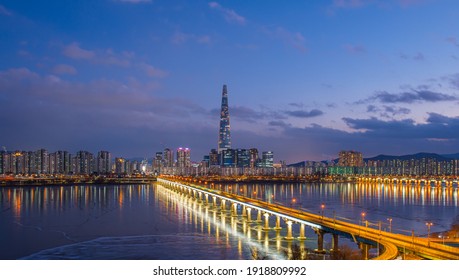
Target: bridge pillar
234,208
199,197
302,235
207,199
258,216
266,227
365,248
244,211
320,241
277,227
335,238
289,230
249,214
223,205
214,201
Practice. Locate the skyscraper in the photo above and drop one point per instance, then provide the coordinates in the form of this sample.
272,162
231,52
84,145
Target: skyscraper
104,162
183,157
224,137
168,157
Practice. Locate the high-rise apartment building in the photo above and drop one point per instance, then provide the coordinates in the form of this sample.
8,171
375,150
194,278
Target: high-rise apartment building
168,158
120,166
158,161
224,136
267,159
183,157
213,158
104,162
84,163
254,158
41,161
350,158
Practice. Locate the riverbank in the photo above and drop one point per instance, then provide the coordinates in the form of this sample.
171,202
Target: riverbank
264,179
74,180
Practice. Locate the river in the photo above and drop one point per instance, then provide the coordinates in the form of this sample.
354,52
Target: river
151,222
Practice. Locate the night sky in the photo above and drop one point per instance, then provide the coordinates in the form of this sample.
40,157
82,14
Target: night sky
305,79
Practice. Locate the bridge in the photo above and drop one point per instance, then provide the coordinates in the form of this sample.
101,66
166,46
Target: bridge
256,211
435,181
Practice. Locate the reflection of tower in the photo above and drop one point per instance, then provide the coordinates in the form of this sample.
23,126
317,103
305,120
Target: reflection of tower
224,137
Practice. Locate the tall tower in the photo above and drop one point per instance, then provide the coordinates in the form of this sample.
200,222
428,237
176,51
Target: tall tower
224,137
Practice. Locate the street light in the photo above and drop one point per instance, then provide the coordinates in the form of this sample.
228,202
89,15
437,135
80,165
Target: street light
428,232
322,207
363,217
390,224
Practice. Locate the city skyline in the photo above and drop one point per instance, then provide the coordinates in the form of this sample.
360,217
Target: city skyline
307,80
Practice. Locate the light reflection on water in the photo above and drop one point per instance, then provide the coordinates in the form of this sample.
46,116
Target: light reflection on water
409,207
97,222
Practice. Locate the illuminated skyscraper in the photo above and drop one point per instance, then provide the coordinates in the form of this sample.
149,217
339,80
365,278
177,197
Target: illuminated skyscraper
350,158
104,162
183,157
224,137
168,157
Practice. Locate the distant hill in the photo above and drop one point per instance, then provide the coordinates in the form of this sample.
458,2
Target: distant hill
451,156
438,157
408,157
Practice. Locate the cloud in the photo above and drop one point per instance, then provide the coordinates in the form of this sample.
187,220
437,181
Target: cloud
180,38
74,51
304,114
349,3
372,109
279,124
64,69
292,39
408,3
419,56
246,114
230,15
355,49
4,11
397,110
296,104
453,80
436,126
414,96
453,41
152,71
106,56
134,1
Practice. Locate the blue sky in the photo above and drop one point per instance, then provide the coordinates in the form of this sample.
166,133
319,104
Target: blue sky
305,79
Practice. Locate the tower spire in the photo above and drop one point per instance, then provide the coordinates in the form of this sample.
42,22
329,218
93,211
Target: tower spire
224,137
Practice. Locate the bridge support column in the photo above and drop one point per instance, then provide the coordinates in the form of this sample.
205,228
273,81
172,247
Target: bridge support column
223,205
289,230
266,227
207,199
214,201
365,248
259,216
277,227
320,241
234,208
302,235
244,211
249,214
335,247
